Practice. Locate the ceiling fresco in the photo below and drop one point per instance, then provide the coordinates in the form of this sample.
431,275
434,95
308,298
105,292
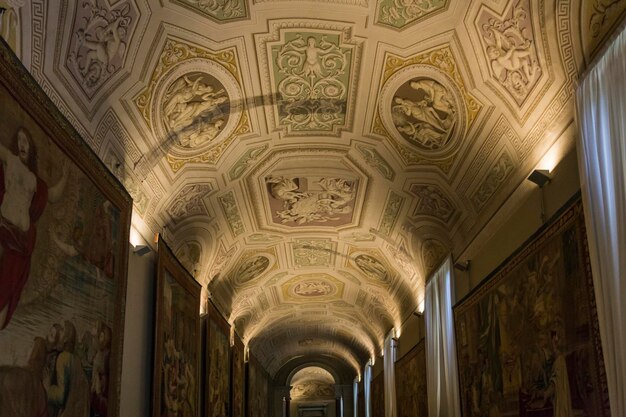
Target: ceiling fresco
311,162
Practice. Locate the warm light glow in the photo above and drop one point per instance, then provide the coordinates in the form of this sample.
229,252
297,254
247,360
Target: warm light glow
421,306
135,238
555,154
397,332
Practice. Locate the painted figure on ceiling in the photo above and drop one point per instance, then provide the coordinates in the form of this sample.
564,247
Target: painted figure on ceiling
23,198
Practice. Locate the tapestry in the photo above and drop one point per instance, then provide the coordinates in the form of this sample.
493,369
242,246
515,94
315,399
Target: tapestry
176,373
378,395
527,337
411,396
64,225
217,390
238,377
257,390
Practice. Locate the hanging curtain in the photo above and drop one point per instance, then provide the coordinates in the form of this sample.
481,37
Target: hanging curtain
441,368
389,375
355,396
367,388
601,102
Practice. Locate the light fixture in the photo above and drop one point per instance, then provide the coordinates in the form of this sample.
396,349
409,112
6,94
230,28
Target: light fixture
141,250
540,177
462,266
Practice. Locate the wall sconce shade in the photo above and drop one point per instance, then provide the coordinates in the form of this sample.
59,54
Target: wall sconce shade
540,177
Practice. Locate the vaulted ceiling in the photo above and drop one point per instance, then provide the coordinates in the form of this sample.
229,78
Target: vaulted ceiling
312,161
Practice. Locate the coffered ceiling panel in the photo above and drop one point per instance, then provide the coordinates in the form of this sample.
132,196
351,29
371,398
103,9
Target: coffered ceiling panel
311,162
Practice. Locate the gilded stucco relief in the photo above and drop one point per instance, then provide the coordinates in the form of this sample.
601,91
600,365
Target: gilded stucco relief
193,103
313,253
189,202
222,11
232,214
399,14
390,213
495,177
316,287
376,161
424,107
311,200
598,19
431,200
311,67
101,34
510,49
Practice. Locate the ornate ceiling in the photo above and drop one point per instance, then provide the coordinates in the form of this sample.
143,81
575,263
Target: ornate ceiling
312,161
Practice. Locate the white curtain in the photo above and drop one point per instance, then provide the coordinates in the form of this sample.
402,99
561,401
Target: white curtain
601,102
390,375
355,396
367,391
441,367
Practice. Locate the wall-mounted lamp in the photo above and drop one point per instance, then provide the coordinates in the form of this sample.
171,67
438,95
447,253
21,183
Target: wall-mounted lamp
463,266
540,177
141,250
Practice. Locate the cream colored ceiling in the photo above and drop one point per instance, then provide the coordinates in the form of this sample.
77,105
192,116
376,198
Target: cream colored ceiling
311,162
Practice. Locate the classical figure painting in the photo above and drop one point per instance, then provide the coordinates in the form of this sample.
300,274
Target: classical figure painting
217,395
527,337
176,371
411,395
238,375
64,224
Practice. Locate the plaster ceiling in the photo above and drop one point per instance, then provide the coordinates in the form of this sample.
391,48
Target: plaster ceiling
312,162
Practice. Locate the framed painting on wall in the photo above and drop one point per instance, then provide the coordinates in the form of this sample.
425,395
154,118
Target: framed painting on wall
217,390
527,337
411,393
176,372
64,225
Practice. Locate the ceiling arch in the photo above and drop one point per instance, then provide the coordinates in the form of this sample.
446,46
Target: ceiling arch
312,165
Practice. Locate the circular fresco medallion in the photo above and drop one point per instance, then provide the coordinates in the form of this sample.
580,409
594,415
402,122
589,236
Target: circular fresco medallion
251,268
197,105
420,106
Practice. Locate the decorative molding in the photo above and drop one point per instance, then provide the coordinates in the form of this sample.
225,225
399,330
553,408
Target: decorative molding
391,213
313,253
509,46
249,157
221,11
432,201
311,68
231,213
496,176
189,202
375,160
400,14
